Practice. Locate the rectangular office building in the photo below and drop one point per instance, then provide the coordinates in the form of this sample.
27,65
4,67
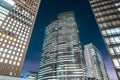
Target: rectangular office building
17,19
107,14
94,62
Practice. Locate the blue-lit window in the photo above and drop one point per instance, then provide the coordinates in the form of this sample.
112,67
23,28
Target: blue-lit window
111,51
3,10
11,2
111,31
116,63
117,4
117,39
108,32
117,50
112,40
104,32
2,17
107,41
5,7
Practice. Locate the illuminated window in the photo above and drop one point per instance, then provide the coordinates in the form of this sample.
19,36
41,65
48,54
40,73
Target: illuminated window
16,44
3,10
3,35
10,73
16,58
11,2
10,51
15,48
1,39
117,4
6,61
3,55
104,33
13,43
10,29
18,41
9,42
21,54
14,62
20,45
22,50
10,61
116,63
5,50
117,40
117,50
112,40
3,27
7,56
2,17
13,52
111,51
3,45
108,32
0,22
8,46
1,60
119,9
7,37
23,47
12,57
14,39
11,38
19,49
17,54
11,47
5,41
117,30
19,59
18,63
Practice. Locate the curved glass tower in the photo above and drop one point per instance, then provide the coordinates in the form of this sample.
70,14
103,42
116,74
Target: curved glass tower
62,56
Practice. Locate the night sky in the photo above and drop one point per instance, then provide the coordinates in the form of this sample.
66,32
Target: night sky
88,29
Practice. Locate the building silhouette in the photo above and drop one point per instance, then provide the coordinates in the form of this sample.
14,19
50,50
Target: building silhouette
94,62
107,14
17,19
62,55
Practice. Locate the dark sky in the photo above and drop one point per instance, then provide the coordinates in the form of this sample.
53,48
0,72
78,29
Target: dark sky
88,30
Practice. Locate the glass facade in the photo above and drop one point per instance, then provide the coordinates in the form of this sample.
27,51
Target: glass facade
16,23
107,13
62,56
31,75
95,65
5,7
12,78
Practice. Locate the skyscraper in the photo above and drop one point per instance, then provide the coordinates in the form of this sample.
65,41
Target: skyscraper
62,56
95,65
107,14
17,19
